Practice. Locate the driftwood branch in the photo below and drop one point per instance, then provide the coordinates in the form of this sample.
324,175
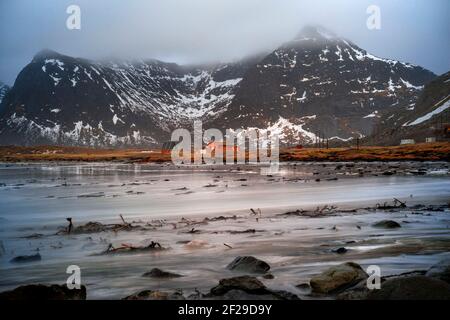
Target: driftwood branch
256,212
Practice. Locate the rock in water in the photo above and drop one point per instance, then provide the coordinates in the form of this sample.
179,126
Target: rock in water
340,250
247,288
387,224
156,295
249,264
412,288
158,273
244,283
440,271
44,292
338,278
25,259
356,292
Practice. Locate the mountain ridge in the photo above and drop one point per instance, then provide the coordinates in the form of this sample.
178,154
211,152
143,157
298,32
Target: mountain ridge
318,84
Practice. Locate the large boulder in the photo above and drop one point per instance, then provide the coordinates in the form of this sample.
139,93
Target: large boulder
247,288
356,292
440,271
44,292
386,224
242,295
249,264
412,288
338,278
244,283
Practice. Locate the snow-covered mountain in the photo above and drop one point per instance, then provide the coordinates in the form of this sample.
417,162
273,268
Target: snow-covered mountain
63,100
320,84
316,84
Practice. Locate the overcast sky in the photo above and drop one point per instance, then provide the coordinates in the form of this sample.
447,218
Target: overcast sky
195,31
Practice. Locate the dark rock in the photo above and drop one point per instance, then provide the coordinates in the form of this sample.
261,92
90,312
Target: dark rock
92,195
268,276
242,295
338,278
387,224
247,288
197,295
440,271
156,295
284,295
357,292
33,236
158,273
340,250
249,264
25,259
44,292
412,288
303,286
245,283
243,231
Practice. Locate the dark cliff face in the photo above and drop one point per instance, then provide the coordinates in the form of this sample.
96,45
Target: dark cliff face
317,84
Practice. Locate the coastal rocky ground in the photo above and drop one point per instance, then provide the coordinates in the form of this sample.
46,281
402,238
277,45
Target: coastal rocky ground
309,232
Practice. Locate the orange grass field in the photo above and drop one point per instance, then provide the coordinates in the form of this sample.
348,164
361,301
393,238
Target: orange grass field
439,151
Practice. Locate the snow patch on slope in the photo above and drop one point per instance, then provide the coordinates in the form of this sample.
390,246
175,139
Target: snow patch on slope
81,134
429,115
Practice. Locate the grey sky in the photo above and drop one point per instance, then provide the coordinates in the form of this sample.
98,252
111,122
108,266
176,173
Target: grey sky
195,31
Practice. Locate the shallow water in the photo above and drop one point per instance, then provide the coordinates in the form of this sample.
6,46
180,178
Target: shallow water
36,198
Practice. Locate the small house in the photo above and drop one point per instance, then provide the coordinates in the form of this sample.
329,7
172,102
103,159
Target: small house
407,141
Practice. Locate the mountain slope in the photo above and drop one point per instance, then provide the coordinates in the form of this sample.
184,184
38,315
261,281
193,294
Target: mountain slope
63,100
322,84
428,117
